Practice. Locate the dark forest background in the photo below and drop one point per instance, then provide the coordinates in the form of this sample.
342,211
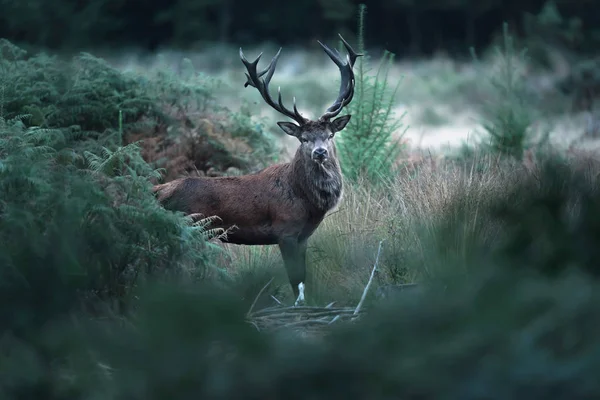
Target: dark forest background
404,27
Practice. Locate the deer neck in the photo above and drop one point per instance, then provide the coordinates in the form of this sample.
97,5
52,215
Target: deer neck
320,184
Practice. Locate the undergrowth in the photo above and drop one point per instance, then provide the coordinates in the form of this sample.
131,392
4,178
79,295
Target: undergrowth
176,115
518,323
71,233
107,295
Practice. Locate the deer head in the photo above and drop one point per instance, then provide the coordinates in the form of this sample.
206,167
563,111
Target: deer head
315,136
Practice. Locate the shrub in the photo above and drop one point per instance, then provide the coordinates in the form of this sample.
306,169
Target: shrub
175,115
370,143
508,112
69,234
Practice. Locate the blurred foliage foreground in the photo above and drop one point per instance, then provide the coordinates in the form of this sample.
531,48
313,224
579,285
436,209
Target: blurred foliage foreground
80,234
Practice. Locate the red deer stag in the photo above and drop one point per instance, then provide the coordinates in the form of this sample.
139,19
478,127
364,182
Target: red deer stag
282,204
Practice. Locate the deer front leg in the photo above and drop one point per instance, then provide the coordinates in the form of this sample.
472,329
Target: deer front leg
293,253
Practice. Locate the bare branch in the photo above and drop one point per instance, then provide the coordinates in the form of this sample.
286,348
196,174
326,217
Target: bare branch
364,295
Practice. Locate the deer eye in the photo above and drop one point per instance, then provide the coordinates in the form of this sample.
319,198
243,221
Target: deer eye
331,136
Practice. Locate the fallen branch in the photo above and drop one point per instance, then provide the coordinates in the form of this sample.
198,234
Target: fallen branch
299,310
307,318
364,295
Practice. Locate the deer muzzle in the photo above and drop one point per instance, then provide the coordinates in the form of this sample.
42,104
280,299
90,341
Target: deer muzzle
320,154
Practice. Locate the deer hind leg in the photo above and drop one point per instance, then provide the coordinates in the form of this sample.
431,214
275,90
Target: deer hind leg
293,253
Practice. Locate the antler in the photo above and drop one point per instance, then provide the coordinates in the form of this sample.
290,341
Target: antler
347,84
262,85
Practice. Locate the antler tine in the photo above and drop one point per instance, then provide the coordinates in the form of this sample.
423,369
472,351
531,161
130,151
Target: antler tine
262,85
351,53
346,92
251,66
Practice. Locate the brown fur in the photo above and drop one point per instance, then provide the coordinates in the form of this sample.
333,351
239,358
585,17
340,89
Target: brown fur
283,204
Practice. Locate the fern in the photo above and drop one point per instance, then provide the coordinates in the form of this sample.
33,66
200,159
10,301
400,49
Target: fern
97,104
69,233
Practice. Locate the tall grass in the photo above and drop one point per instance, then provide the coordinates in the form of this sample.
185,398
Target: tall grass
437,206
414,212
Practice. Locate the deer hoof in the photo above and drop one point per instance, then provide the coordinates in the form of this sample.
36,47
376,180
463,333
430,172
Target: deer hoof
300,299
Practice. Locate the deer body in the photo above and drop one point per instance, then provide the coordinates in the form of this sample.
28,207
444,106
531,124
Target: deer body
281,201
282,204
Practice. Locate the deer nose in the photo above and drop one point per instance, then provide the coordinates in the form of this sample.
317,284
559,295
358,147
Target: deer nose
320,153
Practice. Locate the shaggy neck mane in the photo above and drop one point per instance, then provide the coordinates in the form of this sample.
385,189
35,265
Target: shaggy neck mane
320,184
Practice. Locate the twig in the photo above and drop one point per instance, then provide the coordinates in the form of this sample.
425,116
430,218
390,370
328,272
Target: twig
258,295
364,295
328,312
298,309
254,324
275,298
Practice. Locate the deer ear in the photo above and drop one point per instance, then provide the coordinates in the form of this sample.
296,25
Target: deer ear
290,128
340,123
